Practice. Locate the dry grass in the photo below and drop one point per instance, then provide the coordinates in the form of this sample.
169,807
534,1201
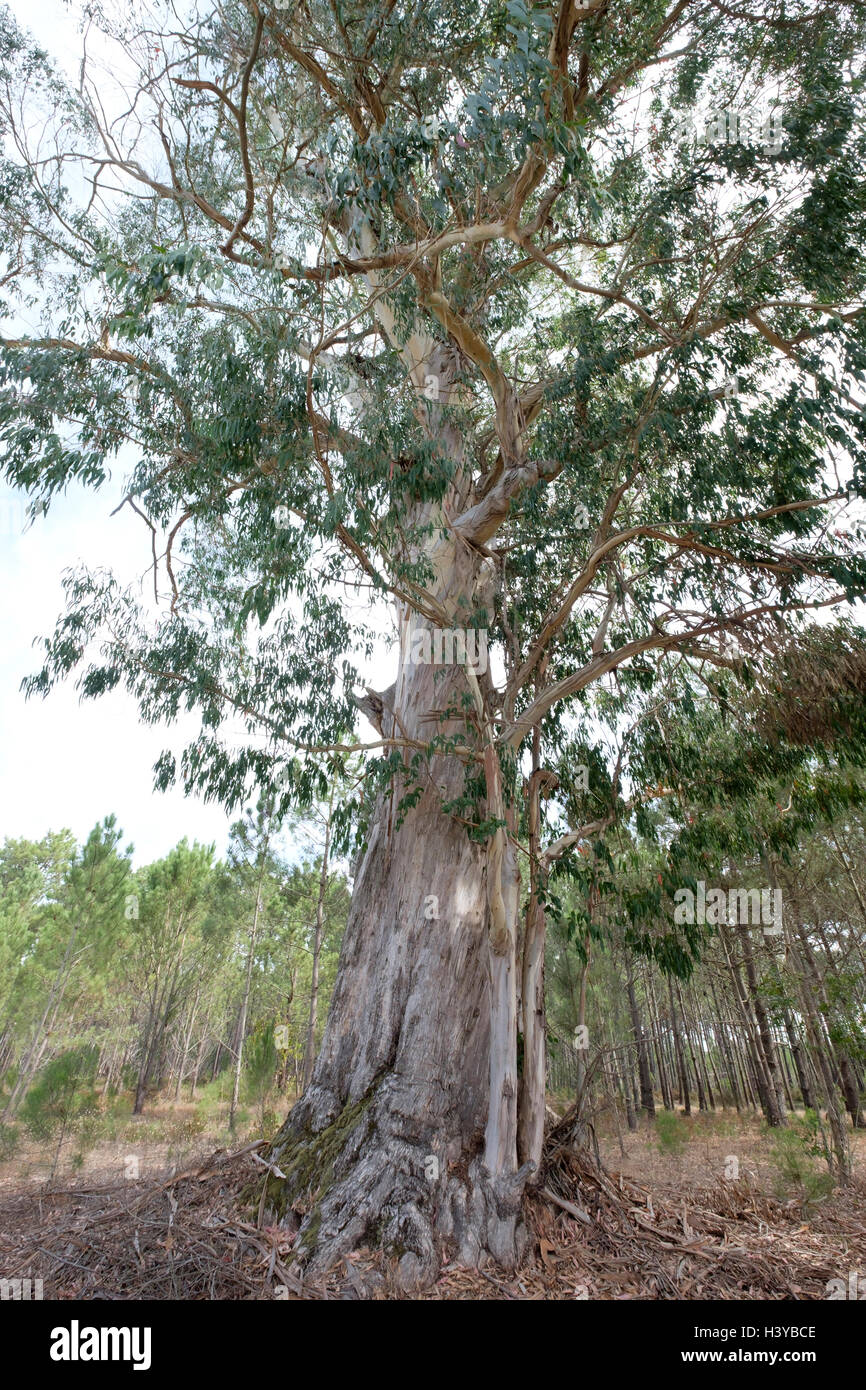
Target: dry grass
713,1138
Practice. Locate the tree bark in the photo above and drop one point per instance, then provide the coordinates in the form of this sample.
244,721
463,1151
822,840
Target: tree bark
530,1124
647,1099
407,1133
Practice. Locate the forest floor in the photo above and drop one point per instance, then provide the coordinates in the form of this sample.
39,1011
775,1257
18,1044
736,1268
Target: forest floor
691,1208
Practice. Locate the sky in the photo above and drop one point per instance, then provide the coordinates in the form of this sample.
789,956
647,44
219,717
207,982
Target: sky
64,762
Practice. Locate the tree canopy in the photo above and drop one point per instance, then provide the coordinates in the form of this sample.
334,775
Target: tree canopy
580,290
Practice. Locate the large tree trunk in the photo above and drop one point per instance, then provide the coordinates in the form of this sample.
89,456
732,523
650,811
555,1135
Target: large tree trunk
407,1134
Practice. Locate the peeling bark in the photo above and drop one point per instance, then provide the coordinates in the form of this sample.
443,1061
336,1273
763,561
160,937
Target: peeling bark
406,1136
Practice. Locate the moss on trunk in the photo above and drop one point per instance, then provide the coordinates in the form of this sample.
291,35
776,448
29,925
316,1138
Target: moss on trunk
308,1162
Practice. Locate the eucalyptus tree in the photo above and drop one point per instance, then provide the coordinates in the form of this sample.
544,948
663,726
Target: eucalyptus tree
535,331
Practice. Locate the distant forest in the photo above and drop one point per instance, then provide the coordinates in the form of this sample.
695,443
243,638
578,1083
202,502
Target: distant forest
207,980
167,979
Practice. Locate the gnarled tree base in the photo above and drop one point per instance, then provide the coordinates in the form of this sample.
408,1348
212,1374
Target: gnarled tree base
364,1176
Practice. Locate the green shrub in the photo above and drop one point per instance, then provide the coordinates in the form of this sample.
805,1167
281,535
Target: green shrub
9,1141
63,1100
794,1155
672,1132
185,1131
260,1067
271,1122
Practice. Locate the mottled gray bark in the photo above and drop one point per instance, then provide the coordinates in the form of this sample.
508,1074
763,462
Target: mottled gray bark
407,1133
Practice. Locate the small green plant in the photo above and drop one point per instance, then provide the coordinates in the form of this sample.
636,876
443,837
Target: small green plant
723,1126
141,1132
794,1155
212,1102
186,1130
242,1121
260,1067
63,1100
271,1122
672,1132
9,1141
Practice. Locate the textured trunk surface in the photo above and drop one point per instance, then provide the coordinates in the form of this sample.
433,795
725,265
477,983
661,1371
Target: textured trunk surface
312,1023
387,1145
533,1081
530,1136
775,1091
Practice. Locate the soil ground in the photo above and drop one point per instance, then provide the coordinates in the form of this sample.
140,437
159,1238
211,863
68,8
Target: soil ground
691,1208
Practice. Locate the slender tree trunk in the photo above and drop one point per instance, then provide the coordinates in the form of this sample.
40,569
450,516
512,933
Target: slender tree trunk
801,1062
847,1072
581,1085
706,1058
57,1151
146,1062
667,1097
839,1156
699,1080
721,1031
199,1058
310,1049
288,1055
785,1068
248,976
622,1068
647,1099
185,1049
776,1095
760,1080
685,1097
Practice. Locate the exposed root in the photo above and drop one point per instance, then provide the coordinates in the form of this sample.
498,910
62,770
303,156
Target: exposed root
356,1182
725,1241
